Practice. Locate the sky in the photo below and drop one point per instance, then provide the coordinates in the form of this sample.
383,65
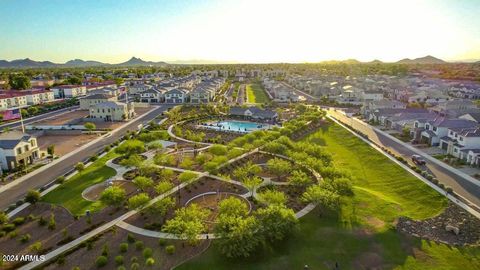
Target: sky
249,31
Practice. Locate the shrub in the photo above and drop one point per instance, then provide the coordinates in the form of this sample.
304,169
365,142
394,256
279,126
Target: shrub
134,259
105,250
162,242
130,238
93,158
32,196
123,247
147,253
441,185
37,246
121,267
8,227
60,179
18,221
449,190
170,249
42,221
134,266
25,238
150,262
51,224
101,261
139,245
12,234
119,259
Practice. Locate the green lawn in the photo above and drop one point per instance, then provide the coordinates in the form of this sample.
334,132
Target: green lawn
256,94
69,194
362,232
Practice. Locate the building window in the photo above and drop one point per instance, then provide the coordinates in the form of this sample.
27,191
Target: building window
19,150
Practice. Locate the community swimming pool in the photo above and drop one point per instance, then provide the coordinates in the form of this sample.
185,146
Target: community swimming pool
238,126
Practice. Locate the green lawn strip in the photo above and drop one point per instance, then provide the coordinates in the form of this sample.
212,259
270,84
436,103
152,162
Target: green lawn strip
256,94
376,174
69,194
383,191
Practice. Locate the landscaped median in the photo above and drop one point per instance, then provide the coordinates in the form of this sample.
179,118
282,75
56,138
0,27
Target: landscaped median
256,94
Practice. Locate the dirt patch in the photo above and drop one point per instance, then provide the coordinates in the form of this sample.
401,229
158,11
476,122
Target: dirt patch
68,118
375,222
64,144
368,260
85,256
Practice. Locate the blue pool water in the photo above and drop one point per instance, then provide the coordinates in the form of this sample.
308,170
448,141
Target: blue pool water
238,126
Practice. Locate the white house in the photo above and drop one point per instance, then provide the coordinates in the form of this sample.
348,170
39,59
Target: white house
17,149
151,96
69,91
459,141
176,95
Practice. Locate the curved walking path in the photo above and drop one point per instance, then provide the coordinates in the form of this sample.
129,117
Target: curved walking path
120,221
170,132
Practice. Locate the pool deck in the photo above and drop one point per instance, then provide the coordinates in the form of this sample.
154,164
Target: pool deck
253,126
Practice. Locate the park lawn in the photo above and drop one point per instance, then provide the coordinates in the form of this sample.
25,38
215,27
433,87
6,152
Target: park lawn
362,232
69,194
256,94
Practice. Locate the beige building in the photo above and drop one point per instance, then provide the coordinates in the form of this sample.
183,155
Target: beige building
17,149
112,111
89,101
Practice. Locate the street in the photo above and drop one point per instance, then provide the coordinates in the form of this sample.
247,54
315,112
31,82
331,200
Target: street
457,182
16,192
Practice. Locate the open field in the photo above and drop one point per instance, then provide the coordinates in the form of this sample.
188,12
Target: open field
256,94
362,235
63,119
69,194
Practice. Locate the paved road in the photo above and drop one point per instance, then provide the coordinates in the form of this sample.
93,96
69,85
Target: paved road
37,118
17,192
458,183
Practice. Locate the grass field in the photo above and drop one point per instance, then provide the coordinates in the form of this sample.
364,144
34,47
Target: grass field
256,94
361,236
69,194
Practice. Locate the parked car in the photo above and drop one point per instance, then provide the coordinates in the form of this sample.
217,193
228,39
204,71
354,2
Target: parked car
418,160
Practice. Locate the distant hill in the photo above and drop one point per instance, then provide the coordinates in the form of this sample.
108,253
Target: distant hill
29,63
422,60
139,62
376,61
82,63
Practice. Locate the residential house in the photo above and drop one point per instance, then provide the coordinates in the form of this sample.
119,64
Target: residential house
17,149
176,95
459,141
431,131
111,111
69,91
152,96
91,100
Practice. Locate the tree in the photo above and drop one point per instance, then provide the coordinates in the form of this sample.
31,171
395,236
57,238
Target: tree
143,183
186,177
138,200
218,150
51,149
162,187
32,197
32,110
90,126
132,161
73,80
186,163
160,208
232,207
325,198
270,197
276,221
19,82
188,223
279,166
80,166
113,196
130,147
118,81
252,182
241,173
299,178
167,174
342,186
238,236
3,218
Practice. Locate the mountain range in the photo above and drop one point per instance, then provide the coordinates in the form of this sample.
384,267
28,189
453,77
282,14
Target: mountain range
29,63
136,62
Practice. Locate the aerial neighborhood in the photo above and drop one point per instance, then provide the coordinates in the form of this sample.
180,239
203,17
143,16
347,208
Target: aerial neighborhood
167,158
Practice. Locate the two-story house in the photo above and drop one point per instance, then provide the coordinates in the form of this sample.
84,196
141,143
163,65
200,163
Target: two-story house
17,149
176,95
459,141
435,129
